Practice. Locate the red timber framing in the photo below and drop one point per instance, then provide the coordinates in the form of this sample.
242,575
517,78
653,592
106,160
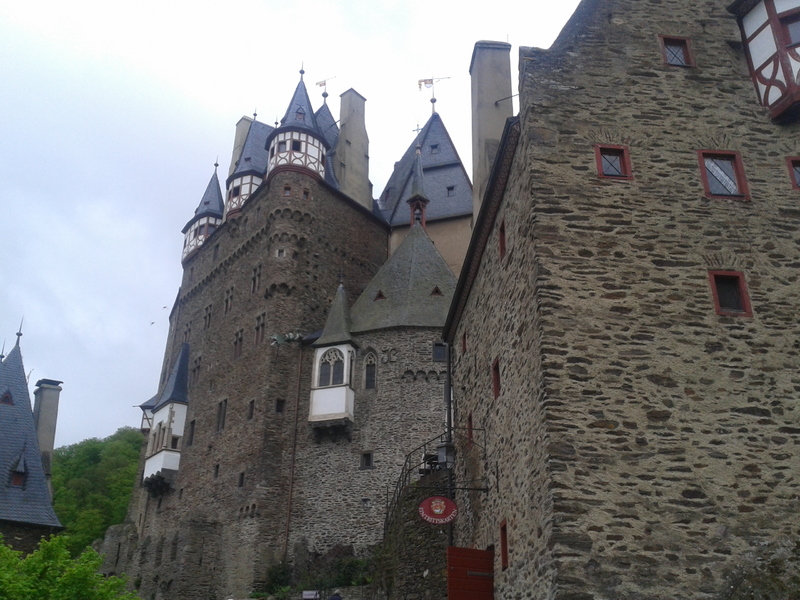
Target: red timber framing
470,574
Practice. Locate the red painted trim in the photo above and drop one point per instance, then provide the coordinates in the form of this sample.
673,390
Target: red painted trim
496,377
738,168
687,47
746,306
503,545
791,162
600,149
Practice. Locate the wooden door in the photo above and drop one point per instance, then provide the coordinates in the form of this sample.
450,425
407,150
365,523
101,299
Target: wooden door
470,574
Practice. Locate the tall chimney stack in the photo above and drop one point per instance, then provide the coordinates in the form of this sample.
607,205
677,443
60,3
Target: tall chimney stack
45,415
490,71
351,158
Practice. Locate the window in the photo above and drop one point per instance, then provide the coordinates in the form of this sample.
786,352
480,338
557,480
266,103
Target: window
496,377
260,329
464,342
255,280
216,471
17,479
306,194
228,304
251,410
281,146
190,434
503,546
676,51
451,190
241,479
793,162
439,352
501,240
366,460
469,431
287,190
791,29
730,293
280,406
207,316
296,146
187,332
436,291
380,296
370,371
613,162
723,174
222,408
197,364
238,342
434,148
280,253
236,191
7,399
331,368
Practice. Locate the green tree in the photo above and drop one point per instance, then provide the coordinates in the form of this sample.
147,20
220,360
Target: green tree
50,573
92,485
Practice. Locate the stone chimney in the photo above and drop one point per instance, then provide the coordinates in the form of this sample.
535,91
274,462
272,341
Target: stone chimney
351,159
490,71
45,415
242,129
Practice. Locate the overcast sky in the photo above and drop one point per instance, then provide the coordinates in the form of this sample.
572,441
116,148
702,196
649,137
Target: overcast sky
112,115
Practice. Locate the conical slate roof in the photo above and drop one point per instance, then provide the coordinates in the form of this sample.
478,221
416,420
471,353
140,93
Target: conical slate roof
299,115
327,125
254,155
177,386
413,288
211,204
447,185
337,327
19,450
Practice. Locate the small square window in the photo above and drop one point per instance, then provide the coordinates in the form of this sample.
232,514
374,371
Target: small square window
280,406
613,162
676,51
730,293
236,191
366,460
296,145
241,480
793,162
281,146
216,471
496,377
451,190
723,174
287,190
17,479
306,194
7,399
434,148
439,352
251,410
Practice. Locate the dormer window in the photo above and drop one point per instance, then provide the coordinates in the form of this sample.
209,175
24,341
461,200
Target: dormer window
17,479
300,115
331,368
6,399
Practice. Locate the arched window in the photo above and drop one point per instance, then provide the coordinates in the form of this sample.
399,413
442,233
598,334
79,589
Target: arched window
331,368
370,371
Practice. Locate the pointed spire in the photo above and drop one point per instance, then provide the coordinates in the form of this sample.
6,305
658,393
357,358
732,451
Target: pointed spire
417,201
19,332
211,203
337,327
177,386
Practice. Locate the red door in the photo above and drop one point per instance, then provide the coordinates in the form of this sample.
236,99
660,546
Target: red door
470,574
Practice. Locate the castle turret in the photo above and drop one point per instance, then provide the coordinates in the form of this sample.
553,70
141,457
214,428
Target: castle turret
298,142
248,165
207,217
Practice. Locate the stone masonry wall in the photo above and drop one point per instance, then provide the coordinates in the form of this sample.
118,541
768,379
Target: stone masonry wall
668,433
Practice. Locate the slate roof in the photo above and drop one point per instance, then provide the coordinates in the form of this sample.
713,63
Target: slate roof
211,204
177,387
337,327
299,105
412,288
254,155
19,451
441,168
327,125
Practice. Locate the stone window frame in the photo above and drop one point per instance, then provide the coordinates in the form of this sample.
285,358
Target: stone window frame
735,158
371,360
367,460
793,164
685,44
745,309
625,167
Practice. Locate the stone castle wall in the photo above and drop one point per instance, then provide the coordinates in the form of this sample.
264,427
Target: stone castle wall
642,446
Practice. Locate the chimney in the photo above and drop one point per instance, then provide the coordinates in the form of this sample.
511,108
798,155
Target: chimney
242,129
351,158
45,415
490,71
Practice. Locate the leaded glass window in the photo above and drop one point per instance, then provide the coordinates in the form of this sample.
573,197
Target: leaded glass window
331,368
721,172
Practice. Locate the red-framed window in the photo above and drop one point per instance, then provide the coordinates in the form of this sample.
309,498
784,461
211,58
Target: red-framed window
503,545
793,162
501,239
790,24
613,162
496,377
729,291
722,173
676,51
17,479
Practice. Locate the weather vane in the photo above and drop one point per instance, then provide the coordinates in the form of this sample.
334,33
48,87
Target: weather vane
429,83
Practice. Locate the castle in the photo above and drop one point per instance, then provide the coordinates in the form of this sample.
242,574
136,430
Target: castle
622,336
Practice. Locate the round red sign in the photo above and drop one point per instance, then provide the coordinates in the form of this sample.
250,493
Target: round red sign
438,510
